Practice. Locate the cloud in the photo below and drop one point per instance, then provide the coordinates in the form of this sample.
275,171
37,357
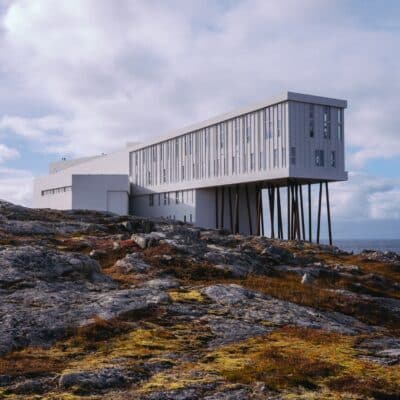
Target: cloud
366,197
116,73
7,153
16,185
85,76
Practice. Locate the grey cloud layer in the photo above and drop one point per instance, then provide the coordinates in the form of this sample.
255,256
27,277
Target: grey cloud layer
109,72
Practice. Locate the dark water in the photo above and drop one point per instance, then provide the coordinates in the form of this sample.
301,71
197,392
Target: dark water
358,245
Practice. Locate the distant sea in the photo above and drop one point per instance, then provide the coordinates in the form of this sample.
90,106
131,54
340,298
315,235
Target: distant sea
358,245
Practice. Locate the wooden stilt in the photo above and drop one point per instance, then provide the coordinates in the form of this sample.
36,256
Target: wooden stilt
271,211
258,210
230,207
216,208
280,227
222,206
309,214
237,194
328,211
262,212
297,219
292,217
288,211
319,212
248,208
303,230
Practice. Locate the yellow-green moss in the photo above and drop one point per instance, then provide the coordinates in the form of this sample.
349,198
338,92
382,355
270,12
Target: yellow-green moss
185,296
294,357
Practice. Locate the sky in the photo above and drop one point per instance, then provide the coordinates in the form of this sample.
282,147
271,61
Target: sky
82,77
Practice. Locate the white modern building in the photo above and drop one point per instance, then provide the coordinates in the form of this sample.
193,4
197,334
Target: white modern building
212,173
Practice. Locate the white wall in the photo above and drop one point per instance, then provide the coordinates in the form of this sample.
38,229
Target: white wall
91,192
59,201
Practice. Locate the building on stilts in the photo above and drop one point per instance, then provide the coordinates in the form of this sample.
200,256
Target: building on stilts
238,171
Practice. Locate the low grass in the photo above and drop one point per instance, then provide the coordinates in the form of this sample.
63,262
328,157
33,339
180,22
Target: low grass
289,287
30,364
181,266
312,359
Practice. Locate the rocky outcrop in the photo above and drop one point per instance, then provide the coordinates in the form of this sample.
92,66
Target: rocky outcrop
93,304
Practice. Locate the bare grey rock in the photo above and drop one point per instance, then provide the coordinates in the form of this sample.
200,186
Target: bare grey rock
133,263
255,308
89,381
382,349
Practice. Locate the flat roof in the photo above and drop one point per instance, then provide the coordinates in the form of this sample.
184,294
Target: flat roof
292,96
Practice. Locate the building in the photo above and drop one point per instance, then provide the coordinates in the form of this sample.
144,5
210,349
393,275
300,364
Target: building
212,174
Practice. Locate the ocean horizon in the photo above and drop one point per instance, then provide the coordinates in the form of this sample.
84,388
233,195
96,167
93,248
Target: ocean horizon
358,245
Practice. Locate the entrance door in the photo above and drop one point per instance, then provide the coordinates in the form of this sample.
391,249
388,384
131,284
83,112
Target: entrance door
117,202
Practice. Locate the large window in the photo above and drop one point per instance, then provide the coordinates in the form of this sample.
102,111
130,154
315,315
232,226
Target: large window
293,155
319,158
327,122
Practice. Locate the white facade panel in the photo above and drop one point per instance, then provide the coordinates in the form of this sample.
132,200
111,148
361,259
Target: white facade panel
91,192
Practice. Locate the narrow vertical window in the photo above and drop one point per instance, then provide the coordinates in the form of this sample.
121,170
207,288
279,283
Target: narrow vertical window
177,197
293,155
151,200
275,158
311,120
333,159
327,122
319,158
340,124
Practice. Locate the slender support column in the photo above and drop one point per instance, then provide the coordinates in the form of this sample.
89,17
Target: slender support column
297,219
262,212
319,212
230,208
258,201
237,209
271,210
248,208
328,211
216,208
280,227
292,217
302,213
309,214
288,211
222,206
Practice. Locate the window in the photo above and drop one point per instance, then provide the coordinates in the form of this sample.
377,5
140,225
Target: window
184,218
327,122
164,175
251,161
151,200
319,158
159,199
247,128
333,159
340,124
293,155
177,197
275,160
148,178
279,120
183,172
190,218
311,120
165,198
